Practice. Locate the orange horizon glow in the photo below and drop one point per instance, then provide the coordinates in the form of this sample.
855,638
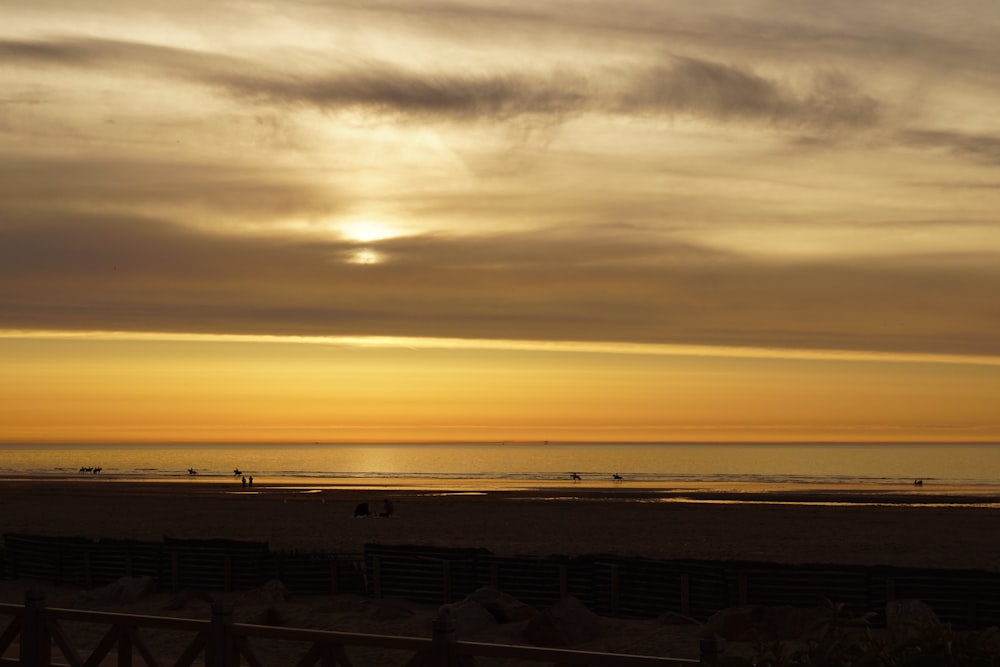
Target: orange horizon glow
122,388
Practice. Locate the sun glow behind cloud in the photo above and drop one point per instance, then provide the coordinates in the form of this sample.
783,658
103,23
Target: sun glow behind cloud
366,231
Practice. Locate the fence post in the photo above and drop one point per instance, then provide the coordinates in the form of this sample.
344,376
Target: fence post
219,648
36,647
615,591
175,571
446,576
377,576
442,639
709,652
334,576
124,650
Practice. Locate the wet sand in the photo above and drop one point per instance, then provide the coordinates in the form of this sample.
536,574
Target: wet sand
791,526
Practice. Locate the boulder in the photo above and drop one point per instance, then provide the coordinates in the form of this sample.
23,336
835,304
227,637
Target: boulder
504,608
126,589
675,618
188,596
908,617
468,616
752,623
566,623
270,593
388,610
270,616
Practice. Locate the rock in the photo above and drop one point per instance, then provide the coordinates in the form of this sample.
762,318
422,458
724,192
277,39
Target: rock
126,589
469,617
908,617
566,623
674,618
752,623
270,616
188,595
270,593
504,608
389,610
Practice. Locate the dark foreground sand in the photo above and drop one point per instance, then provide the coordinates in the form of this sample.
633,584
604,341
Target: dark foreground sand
554,521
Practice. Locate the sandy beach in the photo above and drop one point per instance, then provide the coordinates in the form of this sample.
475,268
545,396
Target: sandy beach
836,527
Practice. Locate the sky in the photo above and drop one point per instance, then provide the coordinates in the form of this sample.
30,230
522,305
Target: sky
490,221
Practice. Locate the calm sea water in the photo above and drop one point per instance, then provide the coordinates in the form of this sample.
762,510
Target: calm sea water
519,465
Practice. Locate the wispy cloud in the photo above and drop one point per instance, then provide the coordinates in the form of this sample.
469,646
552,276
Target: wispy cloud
983,148
123,184
682,85
705,88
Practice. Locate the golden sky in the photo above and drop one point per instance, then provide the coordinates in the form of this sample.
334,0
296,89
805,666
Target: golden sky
408,220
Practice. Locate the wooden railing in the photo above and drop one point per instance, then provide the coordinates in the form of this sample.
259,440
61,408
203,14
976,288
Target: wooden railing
42,641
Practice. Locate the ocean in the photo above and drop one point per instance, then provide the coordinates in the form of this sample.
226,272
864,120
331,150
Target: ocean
718,466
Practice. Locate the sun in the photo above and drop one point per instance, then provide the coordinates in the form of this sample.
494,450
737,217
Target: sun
365,256
366,231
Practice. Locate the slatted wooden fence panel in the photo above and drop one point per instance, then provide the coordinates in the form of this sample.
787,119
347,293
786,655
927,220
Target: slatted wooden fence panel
425,574
175,564
583,581
537,582
315,573
609,585
110,561
799,585
706,587
45,558
639,588
964,599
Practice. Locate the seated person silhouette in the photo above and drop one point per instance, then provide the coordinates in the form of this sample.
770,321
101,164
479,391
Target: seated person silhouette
387,508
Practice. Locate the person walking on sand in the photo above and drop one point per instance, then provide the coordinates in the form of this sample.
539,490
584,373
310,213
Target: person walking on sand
244,482
251,481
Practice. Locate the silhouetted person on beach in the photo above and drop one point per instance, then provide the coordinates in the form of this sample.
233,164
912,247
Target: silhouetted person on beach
244,482
251,481
387,508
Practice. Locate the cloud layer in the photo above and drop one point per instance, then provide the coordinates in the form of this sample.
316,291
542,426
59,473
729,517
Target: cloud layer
657,172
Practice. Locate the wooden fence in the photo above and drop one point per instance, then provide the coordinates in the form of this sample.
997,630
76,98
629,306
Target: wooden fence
177,564
609,585
42,640
645,588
